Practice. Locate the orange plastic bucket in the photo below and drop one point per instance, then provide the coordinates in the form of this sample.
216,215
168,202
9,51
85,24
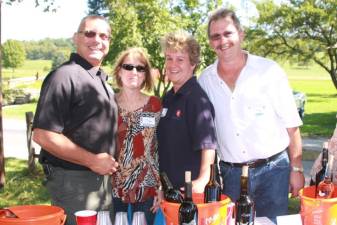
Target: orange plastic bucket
35,215
214,213
318,211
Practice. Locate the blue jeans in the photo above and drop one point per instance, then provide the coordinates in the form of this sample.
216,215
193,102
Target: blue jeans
120,206
268,185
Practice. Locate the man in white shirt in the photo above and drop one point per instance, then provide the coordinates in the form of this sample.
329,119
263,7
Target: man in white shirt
256,119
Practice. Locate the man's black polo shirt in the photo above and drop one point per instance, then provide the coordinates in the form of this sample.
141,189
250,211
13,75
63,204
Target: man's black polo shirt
186,126
76,101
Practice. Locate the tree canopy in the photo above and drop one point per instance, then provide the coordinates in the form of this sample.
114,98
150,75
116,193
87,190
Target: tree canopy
13,54
299,30
144,23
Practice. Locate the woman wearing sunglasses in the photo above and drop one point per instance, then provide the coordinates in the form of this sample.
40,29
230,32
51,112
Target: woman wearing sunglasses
137,179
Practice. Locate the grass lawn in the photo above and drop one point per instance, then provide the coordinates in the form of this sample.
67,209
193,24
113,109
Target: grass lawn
321,106
18,111
29,69
21,187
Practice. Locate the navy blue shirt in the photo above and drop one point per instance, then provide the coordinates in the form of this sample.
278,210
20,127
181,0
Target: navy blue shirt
186,126
76,101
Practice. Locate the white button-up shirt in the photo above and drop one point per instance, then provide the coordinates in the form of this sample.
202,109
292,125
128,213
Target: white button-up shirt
251,121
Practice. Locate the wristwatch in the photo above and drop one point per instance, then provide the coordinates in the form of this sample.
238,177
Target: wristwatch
297,169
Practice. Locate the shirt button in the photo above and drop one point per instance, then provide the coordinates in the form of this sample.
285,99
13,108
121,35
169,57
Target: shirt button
244,152
237,134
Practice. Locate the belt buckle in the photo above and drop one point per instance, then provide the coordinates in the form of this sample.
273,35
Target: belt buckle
250,164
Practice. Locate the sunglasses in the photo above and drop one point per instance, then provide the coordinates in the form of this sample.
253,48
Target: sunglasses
130,67
91,34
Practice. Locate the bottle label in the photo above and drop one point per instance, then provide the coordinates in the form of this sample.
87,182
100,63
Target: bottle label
245,218
212,195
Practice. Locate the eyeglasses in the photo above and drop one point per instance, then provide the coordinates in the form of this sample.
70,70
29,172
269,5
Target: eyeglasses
91,34
130,67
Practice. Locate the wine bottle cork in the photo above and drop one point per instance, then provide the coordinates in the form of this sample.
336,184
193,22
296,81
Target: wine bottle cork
245,171
188,176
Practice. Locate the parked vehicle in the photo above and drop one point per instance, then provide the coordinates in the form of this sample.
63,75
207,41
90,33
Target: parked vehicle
300,99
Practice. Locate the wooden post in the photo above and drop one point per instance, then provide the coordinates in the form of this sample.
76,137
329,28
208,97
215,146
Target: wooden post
2,156
31,149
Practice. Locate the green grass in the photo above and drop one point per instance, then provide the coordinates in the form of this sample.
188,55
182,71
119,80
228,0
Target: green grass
22,187
321,106
18,111
29,69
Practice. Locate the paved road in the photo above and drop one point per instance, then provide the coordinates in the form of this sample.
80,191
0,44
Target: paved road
15,143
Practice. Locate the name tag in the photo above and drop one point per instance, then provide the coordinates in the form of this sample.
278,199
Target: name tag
163,112
146,121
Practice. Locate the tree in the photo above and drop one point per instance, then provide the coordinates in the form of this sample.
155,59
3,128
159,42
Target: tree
298,30
143,23
14,54
140,23
59,57
47,5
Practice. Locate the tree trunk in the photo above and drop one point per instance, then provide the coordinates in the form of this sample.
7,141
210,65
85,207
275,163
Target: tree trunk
2,157
333,75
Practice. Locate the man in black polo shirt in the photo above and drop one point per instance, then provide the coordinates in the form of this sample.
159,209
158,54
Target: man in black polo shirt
75,124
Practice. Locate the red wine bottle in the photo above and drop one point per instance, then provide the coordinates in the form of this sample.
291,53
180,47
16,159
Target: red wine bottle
170,194
188,211
245,207
326,188
320,174
212,190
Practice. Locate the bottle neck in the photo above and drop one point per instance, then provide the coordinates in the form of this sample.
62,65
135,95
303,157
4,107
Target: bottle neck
244,185
167,185
325,157
328,169
212,176
188,191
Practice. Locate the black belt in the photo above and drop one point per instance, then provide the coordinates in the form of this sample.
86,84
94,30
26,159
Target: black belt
253,163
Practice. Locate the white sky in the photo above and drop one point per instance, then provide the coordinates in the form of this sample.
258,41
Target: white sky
22,21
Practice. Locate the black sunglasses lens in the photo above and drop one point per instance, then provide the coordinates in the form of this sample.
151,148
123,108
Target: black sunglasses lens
104,36
140,68
130,67
127,67
90,34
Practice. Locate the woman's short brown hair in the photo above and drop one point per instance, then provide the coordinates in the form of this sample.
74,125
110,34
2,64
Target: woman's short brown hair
182,41
142,56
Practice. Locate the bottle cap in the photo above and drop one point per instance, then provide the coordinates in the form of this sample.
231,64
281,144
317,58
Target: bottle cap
326,145
187,176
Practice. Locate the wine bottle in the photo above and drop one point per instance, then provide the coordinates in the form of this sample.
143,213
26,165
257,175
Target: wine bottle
188,211
245,207
326,188
212,190
320,174
170,194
